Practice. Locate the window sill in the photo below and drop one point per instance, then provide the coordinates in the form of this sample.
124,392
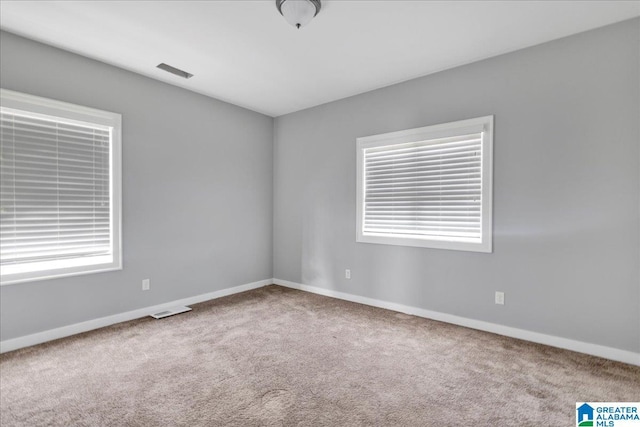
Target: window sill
462,245
11,275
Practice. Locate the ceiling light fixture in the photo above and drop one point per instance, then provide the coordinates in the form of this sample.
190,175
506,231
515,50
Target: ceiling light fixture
298,12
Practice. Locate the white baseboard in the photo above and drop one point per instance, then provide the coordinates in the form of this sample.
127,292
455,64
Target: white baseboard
565,343
553,341
65,331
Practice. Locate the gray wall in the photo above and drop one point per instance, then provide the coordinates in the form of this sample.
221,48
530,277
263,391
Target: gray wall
566,183
197,191
198,194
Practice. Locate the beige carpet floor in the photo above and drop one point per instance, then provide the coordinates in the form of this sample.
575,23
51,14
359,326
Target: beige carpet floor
279,357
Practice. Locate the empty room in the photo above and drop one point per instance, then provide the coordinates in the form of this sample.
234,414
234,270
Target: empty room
320,213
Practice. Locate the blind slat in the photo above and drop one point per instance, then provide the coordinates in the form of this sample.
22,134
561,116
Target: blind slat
416,168
471,173
426,152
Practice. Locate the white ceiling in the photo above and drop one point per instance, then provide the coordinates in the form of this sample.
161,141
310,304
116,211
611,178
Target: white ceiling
245,53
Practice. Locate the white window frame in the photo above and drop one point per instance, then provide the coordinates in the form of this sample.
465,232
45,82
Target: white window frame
71,113
444,130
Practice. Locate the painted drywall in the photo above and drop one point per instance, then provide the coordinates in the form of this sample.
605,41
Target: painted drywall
197,191
566,191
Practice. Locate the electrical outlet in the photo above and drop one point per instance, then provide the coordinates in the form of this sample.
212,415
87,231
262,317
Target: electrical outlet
146,284
500,298
347,274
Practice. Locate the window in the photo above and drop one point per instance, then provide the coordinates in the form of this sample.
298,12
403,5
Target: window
60,189
429,187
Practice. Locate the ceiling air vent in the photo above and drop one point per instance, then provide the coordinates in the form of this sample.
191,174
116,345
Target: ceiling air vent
174,70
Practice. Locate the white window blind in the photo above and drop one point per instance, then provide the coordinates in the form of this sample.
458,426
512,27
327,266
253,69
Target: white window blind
55,195
426,185
427,188
55,189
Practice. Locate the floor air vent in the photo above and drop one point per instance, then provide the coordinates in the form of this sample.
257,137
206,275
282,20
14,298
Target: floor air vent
171,312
